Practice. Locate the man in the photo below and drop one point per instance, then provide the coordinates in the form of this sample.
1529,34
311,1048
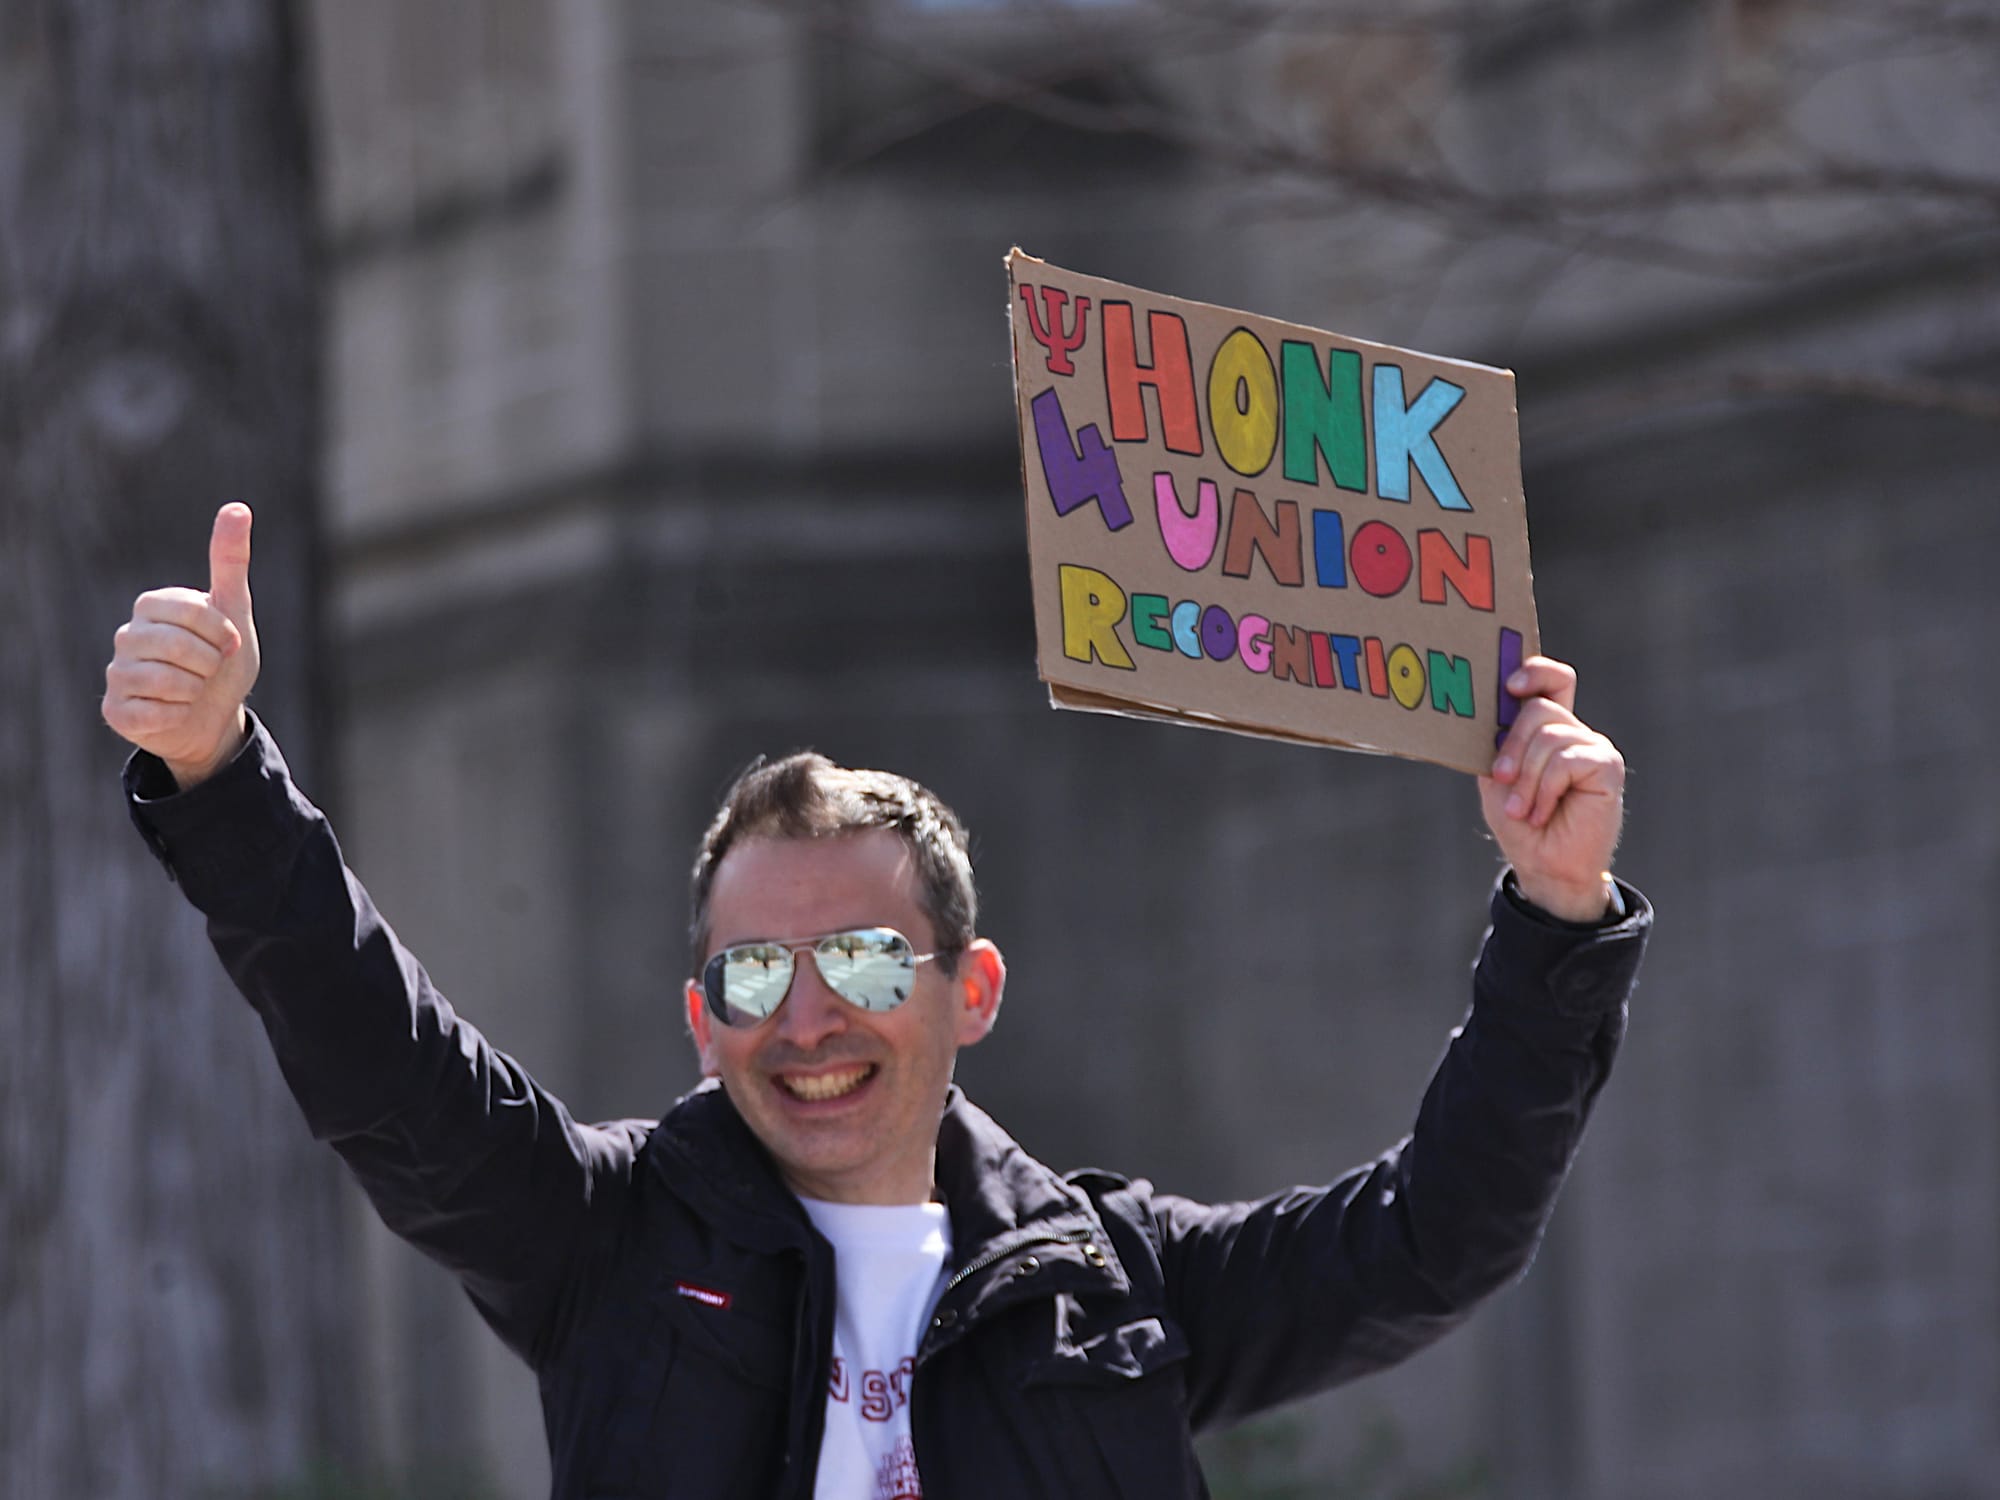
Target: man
825,1272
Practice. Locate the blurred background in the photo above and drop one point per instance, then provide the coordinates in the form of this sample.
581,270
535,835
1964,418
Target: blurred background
623,390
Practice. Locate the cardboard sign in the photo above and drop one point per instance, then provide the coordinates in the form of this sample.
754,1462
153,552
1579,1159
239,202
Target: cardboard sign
1246,525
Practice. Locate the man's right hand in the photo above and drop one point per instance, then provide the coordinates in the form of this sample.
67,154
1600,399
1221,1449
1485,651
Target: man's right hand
183,664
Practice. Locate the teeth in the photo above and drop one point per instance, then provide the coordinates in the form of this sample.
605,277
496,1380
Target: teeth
826,1085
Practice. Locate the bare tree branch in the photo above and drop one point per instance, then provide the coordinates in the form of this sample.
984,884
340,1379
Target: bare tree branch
1911,393
1735,187
1607,219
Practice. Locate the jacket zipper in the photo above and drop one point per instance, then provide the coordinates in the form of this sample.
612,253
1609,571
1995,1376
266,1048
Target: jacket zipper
972,1268
980,1262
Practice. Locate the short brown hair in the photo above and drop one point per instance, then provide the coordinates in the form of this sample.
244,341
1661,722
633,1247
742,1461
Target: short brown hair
806,796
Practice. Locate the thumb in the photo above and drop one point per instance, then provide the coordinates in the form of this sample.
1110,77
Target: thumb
229,561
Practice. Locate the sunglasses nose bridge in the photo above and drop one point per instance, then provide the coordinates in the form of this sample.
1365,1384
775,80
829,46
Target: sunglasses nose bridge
812,1005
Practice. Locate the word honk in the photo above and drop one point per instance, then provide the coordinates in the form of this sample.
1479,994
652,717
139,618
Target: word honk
1317,410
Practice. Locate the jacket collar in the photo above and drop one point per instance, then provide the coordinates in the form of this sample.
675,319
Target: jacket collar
996,1190
705,1155
1006,1206
1019,1231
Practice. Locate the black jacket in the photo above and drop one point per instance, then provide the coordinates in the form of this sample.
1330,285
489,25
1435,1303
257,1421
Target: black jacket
678,1306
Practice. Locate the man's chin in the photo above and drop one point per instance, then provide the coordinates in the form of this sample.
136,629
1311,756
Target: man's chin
817,1135
850,1159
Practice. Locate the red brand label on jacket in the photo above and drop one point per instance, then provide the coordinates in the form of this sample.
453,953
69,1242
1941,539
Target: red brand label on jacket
704,1295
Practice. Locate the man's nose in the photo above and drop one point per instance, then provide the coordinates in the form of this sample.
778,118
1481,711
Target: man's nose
812,1012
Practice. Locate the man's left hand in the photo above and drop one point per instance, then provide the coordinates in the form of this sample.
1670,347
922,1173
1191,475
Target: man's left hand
1556,798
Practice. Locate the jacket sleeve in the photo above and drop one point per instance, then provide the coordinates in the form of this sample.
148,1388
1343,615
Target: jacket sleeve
460,1151
1304,1289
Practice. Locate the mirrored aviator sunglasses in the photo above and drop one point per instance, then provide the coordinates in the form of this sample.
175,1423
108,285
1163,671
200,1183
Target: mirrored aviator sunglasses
871,968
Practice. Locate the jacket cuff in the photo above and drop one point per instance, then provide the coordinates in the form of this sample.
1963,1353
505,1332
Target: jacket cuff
1579,970
220,839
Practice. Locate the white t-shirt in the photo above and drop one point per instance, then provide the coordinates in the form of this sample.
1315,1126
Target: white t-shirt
890,1263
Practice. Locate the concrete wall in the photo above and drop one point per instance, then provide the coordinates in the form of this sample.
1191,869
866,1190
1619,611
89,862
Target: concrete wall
1789,1215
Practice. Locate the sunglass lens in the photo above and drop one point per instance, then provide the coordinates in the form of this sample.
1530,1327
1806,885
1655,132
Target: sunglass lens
749,982
874,968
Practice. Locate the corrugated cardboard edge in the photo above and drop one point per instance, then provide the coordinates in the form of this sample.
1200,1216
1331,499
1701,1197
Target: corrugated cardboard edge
1061,696
1016,256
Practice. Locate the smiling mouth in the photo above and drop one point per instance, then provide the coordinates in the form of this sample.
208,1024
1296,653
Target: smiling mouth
816,1088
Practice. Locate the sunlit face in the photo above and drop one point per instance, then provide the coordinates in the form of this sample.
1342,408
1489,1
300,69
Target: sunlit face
846,1101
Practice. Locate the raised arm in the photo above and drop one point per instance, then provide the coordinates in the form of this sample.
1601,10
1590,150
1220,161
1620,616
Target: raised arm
1307,1288
457,1147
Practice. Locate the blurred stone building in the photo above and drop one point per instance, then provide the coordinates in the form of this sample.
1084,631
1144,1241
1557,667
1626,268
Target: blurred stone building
672,423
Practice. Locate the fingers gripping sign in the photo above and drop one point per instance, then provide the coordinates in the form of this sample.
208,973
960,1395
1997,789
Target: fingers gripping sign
183,665
1555,799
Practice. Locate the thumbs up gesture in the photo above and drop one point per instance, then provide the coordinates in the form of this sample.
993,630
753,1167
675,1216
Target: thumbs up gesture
183,664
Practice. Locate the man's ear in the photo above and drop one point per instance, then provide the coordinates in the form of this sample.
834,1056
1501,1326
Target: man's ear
976,988
699,1028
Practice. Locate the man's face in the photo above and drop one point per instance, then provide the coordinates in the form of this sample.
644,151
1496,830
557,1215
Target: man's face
847,1101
